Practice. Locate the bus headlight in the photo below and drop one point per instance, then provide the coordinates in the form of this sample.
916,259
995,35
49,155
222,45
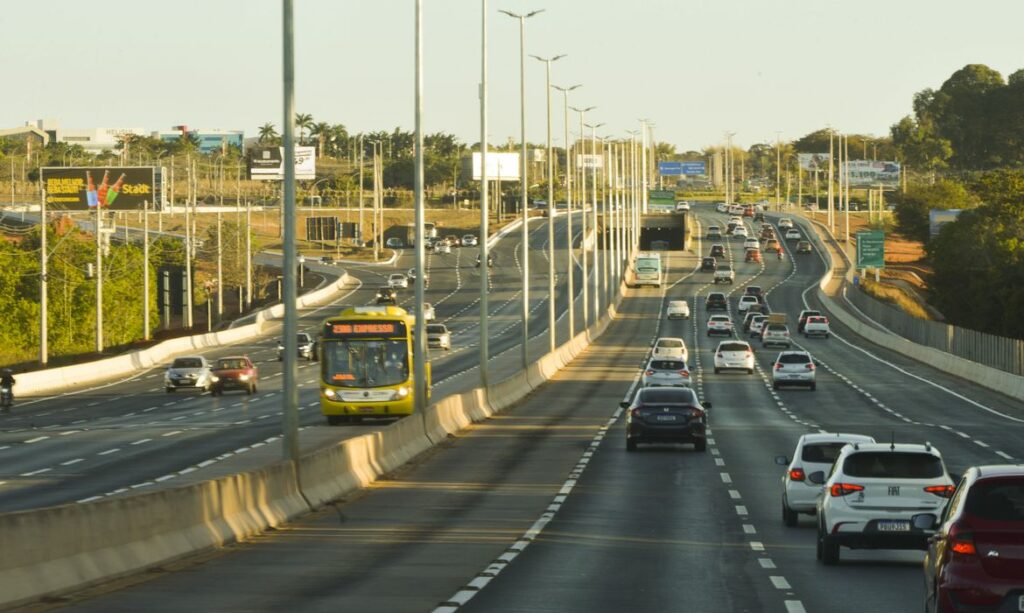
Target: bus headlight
401,392
329,393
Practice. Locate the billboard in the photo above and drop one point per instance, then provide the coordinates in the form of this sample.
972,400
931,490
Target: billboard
267,163
589,160
500,166
116,188
813,161
940,217
661,200
321,228
869,173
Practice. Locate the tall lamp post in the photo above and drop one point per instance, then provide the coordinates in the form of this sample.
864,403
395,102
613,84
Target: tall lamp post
485,271
583,223
524,178
552,340
593,186
568,210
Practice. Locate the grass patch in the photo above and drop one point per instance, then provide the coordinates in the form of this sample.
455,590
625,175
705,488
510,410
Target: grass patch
895,296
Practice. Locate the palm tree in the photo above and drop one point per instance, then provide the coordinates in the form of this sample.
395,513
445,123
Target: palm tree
267,133
303,121
322,131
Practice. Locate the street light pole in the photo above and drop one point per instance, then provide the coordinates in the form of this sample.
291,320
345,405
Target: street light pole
552,333
485,271
290,417
593,186
420,336
583,224
568,211
524,186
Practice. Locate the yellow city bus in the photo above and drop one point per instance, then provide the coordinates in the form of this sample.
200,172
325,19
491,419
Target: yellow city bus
366,364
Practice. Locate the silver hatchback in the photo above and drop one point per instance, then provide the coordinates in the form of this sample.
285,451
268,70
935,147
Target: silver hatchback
794,368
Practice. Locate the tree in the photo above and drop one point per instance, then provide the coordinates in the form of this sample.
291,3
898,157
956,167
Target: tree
303,121
268,134
322,131
919,146
913,208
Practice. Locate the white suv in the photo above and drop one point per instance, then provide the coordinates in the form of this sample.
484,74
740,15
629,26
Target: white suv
724,274
775,334
719,324
814,453
794,368
745,303
734,355
877,496
817,325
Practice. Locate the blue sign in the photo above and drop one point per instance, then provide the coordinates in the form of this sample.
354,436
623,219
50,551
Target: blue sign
693,168
667,169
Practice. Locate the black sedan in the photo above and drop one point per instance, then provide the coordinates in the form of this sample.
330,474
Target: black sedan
709,263
666,415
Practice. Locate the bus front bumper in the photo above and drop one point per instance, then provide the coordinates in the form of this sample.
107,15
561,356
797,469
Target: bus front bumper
370,404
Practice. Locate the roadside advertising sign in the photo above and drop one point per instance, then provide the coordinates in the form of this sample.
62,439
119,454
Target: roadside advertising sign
871,249
500,166
869,173
267,163
116,188
813,161
587,160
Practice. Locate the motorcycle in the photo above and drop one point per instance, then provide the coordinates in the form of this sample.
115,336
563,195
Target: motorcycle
6,398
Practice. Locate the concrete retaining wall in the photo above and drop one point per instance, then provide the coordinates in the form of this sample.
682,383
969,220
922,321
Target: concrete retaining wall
59,549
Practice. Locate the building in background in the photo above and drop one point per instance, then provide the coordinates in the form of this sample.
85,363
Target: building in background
93,140
210,141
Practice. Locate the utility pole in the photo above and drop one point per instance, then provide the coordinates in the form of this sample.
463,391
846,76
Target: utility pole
248,253
220,270
290,410
831,172
187,320
593,186
43,281
485,270
99,278
583,222
145,271
362,235
778,170
420,336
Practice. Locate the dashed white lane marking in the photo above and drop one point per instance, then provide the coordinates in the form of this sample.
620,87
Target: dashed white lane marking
109,451
142,441
757,545
795,606
36,439
74,461
172,433
726,477
36,472
766,563
780,582
1004,455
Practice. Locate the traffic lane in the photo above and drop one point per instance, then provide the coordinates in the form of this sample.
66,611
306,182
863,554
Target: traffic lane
432,526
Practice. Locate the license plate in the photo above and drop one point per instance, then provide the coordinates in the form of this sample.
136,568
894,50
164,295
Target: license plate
666,417
366,409
894,526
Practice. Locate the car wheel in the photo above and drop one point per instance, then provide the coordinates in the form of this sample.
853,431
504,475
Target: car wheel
717,370
775,386
814,386
701,446
630,444
826,335
169,390
829,550
790,518
750,371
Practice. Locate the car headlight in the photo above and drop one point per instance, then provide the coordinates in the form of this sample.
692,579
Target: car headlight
214,378
329,393
243,377
401,392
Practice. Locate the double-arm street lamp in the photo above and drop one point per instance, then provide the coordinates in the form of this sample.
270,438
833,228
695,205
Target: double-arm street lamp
568,209
583,223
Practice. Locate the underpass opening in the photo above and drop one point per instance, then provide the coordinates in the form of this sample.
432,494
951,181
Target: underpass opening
663,232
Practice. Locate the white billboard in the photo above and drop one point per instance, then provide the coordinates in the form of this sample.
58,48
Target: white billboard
588,160
500,166
813,161
870,173
267,163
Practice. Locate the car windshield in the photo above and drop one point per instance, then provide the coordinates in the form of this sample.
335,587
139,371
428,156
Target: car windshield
365,363
794,358
667,365
670,343
436,329
997,500
822,453
231,364
893,465
187,363
734,347
668,396
719,318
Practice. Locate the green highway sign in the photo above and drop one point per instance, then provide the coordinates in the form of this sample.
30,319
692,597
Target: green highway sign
871,249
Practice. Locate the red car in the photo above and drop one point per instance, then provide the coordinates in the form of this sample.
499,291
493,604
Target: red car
975,561
234,372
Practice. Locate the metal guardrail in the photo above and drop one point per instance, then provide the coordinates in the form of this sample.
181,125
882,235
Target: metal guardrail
1006,354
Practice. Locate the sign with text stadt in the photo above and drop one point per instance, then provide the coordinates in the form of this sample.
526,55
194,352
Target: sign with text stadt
115,188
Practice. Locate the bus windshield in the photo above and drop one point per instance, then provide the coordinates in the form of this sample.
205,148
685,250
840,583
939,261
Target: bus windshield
365,363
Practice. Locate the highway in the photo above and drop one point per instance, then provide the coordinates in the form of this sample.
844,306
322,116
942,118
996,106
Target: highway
129,435
542,509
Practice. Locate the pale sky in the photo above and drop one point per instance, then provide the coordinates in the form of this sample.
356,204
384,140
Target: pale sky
697,68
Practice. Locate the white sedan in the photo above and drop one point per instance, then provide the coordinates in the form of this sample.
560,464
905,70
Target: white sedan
666,373
740,230
398,280
428,312
671,347
793,234
469,241
719,324
734,355
678,309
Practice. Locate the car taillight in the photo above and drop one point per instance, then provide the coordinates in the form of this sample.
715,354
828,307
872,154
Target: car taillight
649,373
684,372
696,413
810,366
635,412
796,474
942,491
778,366
750,354
842,489
961,540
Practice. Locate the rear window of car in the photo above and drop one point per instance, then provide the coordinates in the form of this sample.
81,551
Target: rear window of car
748,298
794,358
670,343
719,318
231,364
893,465
436,329
776,328
668,396
734,347
667,365
997,500
816,320
187,363
822,453
713,297
713,228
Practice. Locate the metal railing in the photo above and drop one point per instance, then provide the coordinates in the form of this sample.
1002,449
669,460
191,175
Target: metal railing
1002,353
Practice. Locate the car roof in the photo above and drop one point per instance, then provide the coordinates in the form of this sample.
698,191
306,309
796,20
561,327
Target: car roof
734,341
825,437
676,302
994,471
899,448
669,338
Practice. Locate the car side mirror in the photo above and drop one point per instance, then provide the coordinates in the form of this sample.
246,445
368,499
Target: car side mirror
817,477
782,460
624,404
924,521
706,405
